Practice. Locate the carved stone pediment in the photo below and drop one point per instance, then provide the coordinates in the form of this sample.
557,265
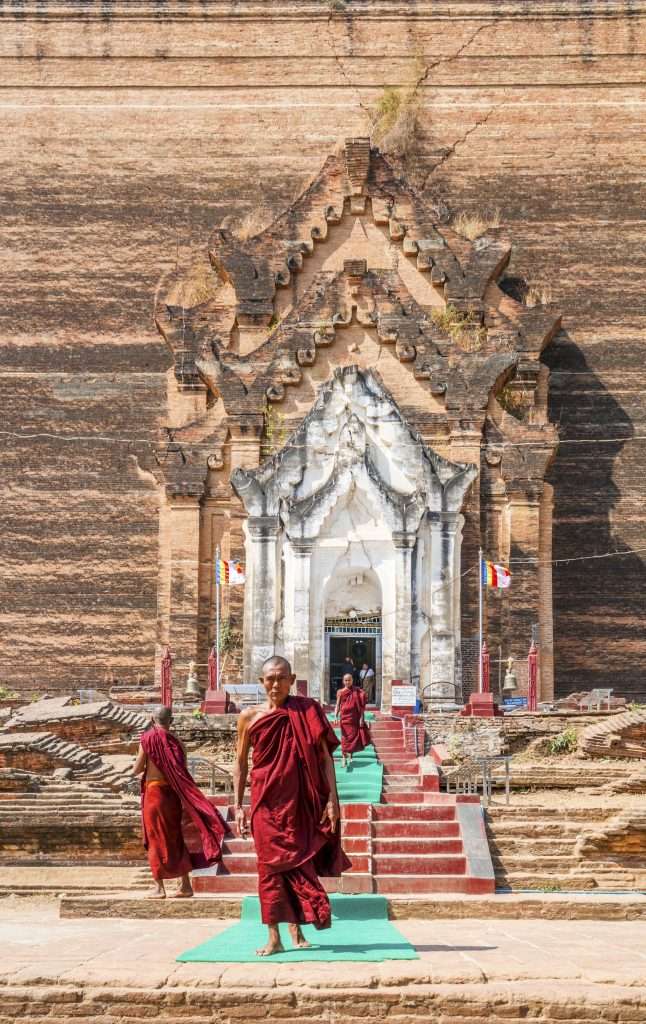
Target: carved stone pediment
354,437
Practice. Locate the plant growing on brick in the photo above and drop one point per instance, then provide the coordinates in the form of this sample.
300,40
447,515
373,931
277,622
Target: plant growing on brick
564,742
396,122
472,225
511,401
274,432
199,285
537,295
464,328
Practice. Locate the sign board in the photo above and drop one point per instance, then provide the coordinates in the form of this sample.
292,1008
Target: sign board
404,696
515,702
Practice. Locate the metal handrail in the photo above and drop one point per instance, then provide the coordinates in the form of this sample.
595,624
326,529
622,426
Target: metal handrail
195,762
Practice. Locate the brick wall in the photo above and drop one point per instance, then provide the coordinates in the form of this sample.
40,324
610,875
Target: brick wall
129,136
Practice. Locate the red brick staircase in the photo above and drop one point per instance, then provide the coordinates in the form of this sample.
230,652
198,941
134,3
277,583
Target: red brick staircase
416,841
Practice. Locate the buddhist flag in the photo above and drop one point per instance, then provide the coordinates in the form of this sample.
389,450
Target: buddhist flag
230,572
493,575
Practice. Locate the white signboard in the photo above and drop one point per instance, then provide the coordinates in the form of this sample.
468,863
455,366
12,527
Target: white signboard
404,696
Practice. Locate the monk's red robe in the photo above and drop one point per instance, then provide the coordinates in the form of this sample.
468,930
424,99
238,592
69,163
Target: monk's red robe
289,792
163,806
164,840
354,736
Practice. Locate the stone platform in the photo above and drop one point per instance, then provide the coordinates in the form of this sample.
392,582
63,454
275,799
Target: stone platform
469,971
547,906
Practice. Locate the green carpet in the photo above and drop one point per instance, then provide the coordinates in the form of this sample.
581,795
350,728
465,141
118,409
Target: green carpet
362,782
360,931
369,716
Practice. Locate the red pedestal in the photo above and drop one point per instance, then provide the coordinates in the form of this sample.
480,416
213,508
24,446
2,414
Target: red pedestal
402,712
532,679
301,687
216,702
481,705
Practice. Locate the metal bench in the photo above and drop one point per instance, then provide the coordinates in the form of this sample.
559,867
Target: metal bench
245,695
595,698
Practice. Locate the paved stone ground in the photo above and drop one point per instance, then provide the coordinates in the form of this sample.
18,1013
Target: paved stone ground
470,971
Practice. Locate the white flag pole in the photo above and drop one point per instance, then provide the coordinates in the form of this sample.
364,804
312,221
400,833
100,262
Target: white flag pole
217,620
480,620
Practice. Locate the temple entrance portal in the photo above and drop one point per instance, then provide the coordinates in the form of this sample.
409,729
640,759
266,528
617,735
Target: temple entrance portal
357,638
355,518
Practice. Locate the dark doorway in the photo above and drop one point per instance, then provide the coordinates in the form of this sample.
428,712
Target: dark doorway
359,648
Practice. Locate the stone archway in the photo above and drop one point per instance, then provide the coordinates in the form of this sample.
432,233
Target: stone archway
354,488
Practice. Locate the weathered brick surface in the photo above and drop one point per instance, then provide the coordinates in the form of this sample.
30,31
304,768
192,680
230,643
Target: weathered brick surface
439,1004
118,165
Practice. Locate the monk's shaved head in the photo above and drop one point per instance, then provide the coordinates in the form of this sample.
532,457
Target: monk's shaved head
276,659
163,715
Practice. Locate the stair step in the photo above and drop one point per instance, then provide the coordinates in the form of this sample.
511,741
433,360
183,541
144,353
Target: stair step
401,796
411,829
417,812
417,846
421,864
242,884
418,884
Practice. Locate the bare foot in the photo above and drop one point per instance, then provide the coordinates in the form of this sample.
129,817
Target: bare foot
274,945
270,948
298,939
182,894
157,894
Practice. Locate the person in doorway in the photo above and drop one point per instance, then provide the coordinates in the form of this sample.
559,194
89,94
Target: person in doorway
367,682
294,816
168,791
350,712
348,666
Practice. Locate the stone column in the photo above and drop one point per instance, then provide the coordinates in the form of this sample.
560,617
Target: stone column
444,582
523,604
262,590
545,607
297,609
404,544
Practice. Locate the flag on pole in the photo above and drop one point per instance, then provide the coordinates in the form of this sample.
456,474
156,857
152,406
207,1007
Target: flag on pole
493,575
230,572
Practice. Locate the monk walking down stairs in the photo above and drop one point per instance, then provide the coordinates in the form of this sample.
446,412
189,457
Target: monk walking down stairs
350,711
294,805
168,792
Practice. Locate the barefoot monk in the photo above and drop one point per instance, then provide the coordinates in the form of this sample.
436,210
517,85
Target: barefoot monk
294,814
350,713
168,792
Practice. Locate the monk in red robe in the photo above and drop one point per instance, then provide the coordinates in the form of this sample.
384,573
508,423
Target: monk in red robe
294,814
350,711
168,792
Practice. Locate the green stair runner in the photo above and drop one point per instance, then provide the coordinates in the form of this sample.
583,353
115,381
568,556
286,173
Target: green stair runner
360,932
362,781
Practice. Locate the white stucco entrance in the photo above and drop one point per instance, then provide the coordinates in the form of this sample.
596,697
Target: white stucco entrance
355,516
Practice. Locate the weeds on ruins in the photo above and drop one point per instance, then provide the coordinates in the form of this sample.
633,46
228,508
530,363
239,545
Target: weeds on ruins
396,121
565,742
464,328
473,225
